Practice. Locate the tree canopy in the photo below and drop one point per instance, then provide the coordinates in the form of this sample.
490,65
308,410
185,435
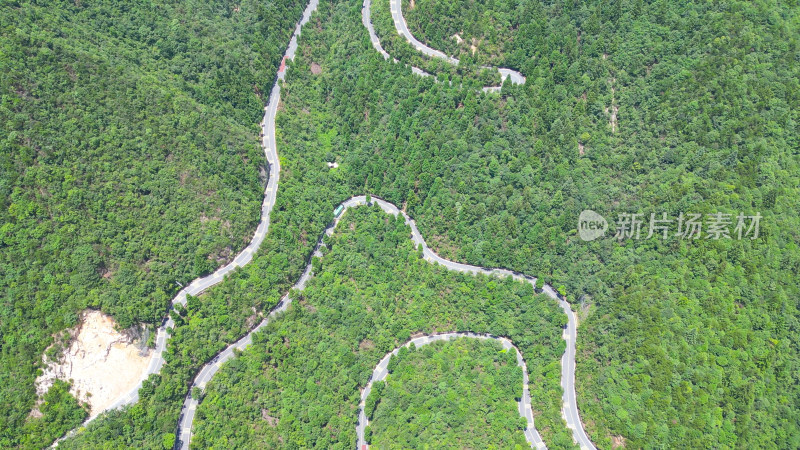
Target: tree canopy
458,394
299,383
629,107
129,162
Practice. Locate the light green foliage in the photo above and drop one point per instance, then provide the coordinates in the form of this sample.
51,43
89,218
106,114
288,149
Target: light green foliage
481,30
306,369
458,394
169,441
129,160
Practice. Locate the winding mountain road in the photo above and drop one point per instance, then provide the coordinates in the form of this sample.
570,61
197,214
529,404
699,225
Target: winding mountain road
400,25
270,149
569,405
381,371
198,286
396,8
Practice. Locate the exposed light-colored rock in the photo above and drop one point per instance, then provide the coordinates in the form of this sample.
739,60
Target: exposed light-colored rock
102,362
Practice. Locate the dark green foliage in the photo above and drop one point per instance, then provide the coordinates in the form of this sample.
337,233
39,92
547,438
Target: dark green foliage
299,384
60,413
459,394
466,75
682,344
481,30
374,398
129,161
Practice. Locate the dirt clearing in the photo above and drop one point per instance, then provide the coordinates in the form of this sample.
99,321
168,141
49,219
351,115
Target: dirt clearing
102,362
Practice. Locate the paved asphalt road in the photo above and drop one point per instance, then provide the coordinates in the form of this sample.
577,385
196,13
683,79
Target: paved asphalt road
196,287
380,372
569,406
199,285
569,403
400,24
270,149
366,11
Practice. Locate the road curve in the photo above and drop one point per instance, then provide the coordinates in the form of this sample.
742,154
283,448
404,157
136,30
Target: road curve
402,28
381,371
199,285
569,405
366,14
184,432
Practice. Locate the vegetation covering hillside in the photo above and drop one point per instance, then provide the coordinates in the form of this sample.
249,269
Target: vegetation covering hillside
629,107
129,161
482,30
467,73
683,343
456,395
299,385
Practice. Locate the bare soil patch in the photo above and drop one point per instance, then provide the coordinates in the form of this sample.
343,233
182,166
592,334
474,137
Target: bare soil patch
102,363
265,414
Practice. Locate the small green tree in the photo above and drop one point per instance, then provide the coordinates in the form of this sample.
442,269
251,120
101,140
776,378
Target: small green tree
373,399
392,363
168,441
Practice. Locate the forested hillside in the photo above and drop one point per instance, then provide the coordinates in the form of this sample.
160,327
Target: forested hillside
629,107
129,161
299,384
658,107
458,394
467,74
478,29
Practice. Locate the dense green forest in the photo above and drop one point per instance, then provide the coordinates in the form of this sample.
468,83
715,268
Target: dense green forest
455,395
478,29
630,106
130,161
682,343
467,74
299,385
